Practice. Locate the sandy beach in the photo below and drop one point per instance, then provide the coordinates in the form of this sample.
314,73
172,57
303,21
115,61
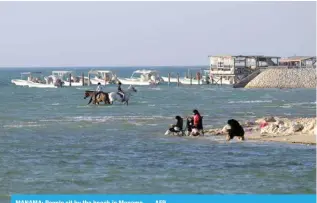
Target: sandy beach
296,130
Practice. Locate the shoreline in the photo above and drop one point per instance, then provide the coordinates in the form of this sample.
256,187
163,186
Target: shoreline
274,129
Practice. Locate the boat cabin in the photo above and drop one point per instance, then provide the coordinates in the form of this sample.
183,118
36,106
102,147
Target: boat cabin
145,75
102,74
64,75
36,77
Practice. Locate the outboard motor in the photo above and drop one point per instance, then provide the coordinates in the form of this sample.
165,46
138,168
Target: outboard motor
58,83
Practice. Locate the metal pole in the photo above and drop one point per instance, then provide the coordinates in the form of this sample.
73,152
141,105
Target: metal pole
70,80
83,79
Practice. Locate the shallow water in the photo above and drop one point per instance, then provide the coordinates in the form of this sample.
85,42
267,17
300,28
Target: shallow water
52,142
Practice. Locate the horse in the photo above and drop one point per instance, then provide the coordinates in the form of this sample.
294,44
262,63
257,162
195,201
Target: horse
114,96
102,97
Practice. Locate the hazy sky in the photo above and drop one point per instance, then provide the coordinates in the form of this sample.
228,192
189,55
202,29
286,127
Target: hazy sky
151,33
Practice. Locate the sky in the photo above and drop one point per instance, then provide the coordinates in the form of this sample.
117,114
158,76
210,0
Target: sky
70,34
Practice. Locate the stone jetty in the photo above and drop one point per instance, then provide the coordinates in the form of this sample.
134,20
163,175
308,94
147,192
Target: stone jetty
285,78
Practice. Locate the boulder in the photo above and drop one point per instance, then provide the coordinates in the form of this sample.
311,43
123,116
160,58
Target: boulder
270,129
296,127
265,119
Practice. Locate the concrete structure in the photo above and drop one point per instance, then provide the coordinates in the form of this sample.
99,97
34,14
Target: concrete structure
298,62
232,69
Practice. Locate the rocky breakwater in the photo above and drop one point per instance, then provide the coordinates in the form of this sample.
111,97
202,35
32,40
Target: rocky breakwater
285,78
295,130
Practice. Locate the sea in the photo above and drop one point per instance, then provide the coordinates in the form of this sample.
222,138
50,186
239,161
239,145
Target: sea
51,141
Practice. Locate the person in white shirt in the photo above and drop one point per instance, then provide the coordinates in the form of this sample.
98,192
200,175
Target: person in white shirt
99,89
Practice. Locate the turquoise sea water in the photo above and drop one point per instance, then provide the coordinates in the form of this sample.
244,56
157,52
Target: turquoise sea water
52,142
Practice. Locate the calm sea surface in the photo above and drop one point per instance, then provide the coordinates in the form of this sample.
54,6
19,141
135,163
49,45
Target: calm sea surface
52,142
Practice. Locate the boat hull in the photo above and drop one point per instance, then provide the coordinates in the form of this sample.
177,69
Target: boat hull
193,82
73,84
171,79
40,85
19,82
126,81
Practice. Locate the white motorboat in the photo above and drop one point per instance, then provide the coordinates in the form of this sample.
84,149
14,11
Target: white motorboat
22,81
33,81
142,77
75,81
103,77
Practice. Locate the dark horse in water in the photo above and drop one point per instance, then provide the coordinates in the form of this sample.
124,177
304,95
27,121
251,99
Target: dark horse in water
96,99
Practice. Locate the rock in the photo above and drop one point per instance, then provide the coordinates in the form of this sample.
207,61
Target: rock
279,122
296,127
270,129
265,119
249,124
285,78
269,119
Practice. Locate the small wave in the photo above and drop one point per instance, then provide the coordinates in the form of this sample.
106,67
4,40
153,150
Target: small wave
23,125
81,88
155,88
302,103
55,104
100,119
250,101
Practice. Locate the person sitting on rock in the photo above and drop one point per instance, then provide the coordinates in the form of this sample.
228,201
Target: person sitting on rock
197,128
178,127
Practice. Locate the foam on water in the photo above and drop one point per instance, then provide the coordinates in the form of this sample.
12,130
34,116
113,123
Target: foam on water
251,101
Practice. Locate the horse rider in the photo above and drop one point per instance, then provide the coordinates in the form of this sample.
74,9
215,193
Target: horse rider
99,89
178,127
120,91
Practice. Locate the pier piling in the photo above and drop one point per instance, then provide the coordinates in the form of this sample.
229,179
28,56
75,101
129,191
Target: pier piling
191,78
70,80
177,79
169,79
88,79
83,79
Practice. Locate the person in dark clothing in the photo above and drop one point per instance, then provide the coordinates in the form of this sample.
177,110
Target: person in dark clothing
178,126
120,91
236,130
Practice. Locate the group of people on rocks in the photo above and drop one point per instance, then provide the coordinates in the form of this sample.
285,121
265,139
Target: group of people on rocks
194,125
